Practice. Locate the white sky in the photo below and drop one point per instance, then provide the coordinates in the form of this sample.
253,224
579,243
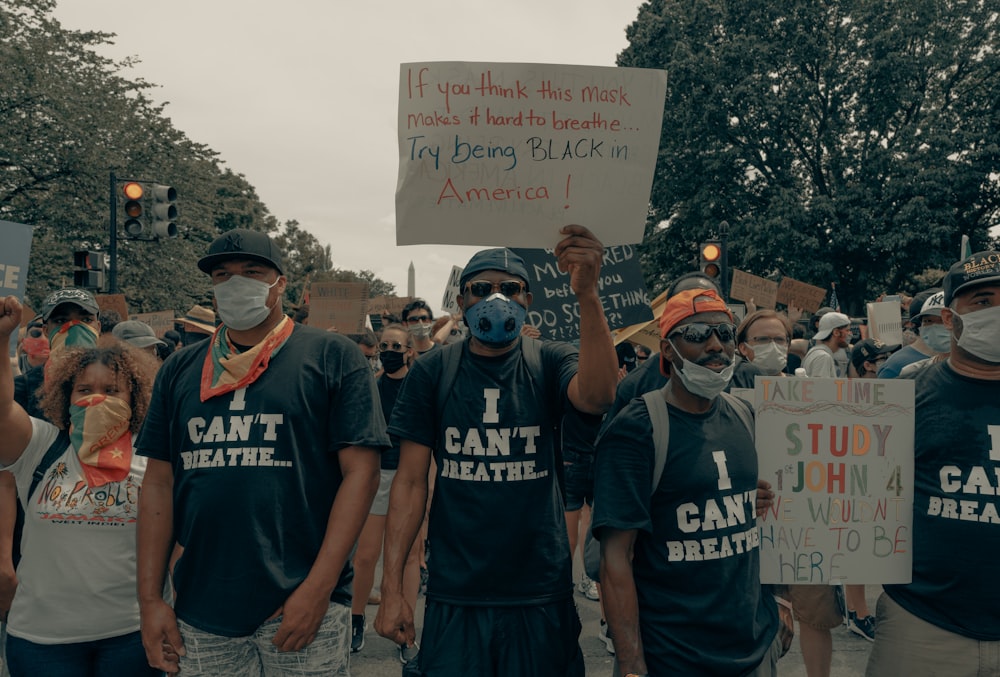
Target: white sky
300,96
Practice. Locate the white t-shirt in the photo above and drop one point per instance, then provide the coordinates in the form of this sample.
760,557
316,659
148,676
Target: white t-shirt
77,577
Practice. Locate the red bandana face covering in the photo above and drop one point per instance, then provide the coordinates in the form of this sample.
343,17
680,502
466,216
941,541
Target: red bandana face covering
99,430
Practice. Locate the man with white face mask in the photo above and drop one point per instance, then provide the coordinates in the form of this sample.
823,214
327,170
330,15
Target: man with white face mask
668,598
947,620
418,320
263,445
763,339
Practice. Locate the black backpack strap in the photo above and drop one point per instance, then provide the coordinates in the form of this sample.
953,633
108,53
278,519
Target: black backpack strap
55,450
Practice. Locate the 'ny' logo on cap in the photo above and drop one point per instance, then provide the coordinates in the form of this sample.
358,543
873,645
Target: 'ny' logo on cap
234,242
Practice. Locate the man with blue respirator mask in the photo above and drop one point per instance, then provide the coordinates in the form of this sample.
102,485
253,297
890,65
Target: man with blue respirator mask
486,410
947,620
263,444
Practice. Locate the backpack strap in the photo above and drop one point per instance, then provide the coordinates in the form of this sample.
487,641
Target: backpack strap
656,405
742,409
55,450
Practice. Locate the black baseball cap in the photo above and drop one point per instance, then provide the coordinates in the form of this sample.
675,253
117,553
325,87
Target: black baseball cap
78,297
500,258
980,268
240,243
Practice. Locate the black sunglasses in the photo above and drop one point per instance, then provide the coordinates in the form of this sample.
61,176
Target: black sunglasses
396,346
482,288
699,332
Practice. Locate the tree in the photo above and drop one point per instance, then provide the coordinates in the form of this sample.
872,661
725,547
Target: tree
850,141
68,115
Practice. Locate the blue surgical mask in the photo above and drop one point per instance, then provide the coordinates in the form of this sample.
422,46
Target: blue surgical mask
937,337
496,320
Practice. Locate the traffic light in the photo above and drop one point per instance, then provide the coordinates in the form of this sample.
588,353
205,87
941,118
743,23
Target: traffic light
164,210
88,270
132,205
710,258
150,210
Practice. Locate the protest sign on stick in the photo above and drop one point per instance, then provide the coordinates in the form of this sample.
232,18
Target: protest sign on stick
554,309
449,304
507,153
760,290
341,306
800,295
14,265
839,456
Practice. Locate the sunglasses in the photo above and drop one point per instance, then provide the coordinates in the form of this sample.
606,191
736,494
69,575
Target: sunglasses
699,332
417,318
483,288
395,346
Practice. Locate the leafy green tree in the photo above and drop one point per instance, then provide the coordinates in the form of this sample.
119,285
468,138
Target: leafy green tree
848,141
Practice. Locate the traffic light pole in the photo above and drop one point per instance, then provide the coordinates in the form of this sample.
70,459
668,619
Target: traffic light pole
724,274
113,236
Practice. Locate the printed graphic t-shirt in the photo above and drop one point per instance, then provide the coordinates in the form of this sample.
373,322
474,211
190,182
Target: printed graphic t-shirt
956,512
702,609
497,529
76,578
256,472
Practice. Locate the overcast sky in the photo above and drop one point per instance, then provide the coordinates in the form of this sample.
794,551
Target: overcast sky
300,96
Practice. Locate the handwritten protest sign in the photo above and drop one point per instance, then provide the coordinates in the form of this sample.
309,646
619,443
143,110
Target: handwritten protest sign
338,305
390,305
839,456
554,309
760,290
885,322
14,265
451,291
161,321
801,295
506,153
115,302
644,333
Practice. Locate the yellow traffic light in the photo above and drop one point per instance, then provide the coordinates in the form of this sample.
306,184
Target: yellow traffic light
710,258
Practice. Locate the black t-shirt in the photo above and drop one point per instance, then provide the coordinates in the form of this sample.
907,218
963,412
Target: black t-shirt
388,391
956,512
26,390
496,526
256,472
702,609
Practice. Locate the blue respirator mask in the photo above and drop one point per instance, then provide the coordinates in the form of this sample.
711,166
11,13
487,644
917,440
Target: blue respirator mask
496,320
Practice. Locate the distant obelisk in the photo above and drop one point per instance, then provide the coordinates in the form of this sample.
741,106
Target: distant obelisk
411,281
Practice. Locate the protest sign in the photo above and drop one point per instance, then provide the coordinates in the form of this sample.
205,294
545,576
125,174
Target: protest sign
389,305
885,322
800,295
451,291
839,456
507,153
341,306
760,290
554,309
14,265
644,333
161,321
115,302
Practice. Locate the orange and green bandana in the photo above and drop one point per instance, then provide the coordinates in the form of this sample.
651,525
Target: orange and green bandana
73,334
99,430
226,369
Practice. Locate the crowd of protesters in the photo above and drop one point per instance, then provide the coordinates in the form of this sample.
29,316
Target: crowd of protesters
214,501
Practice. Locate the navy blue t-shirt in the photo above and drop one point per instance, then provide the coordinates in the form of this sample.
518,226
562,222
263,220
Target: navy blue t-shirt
702,609
256,472
496,528
956,512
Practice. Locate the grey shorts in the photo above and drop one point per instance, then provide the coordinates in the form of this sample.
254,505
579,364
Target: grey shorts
209,655
380,506
908,645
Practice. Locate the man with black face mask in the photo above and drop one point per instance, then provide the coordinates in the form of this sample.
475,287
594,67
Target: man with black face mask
497,530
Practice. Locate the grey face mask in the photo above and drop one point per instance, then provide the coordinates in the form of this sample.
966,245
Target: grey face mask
419,330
